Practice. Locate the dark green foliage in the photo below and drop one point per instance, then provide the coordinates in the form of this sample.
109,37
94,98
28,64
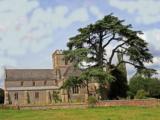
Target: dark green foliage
68,84
154,88
137,83
103,91
87,50
147,73
91,43
119,87
1,96
141,94
71,82
56,96
150,85
92,100
89,75
98,74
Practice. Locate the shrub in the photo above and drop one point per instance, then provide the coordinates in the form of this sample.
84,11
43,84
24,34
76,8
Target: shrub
141,94
92,100
151,85
56,97
130,95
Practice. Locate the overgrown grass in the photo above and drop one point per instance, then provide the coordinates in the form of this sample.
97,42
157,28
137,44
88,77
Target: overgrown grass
108,113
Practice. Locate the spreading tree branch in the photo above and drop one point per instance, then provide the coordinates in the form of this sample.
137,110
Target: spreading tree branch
114,50
127,62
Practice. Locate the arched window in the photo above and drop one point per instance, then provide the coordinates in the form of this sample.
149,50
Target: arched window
75,90
16,96
22,83
34,83
66,62
37,95
55,82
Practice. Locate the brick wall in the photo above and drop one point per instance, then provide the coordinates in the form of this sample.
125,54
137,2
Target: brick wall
143,102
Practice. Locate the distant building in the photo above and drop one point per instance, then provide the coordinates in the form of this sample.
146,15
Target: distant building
40,86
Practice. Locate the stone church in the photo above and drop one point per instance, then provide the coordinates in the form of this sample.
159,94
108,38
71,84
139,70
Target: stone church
41,86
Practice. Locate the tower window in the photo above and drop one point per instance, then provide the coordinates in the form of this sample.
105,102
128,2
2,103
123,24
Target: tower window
16,96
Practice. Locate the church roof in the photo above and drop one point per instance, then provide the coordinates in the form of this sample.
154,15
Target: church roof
72,71
30,74
34,88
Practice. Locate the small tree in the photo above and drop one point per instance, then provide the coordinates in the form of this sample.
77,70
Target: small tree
71,82
92,100
96,75
56,96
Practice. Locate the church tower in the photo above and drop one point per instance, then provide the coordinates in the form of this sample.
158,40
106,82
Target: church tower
58,60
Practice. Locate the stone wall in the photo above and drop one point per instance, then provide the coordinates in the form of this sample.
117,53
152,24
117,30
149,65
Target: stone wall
28,97
108,103
43,107
143,102
29,83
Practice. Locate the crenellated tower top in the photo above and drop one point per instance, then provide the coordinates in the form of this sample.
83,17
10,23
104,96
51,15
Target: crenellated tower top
58,59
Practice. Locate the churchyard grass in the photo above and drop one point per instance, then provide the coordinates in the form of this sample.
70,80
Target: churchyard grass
101,113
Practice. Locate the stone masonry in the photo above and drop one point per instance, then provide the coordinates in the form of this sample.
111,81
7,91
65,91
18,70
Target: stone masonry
38,86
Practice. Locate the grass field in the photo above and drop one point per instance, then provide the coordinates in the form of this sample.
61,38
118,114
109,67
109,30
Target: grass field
109,113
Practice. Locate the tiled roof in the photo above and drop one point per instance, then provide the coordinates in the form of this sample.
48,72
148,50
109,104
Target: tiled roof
30,74
34,88
72,71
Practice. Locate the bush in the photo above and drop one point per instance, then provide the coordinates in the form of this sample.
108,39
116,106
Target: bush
92,100
130,95
141,94
150,85
118,88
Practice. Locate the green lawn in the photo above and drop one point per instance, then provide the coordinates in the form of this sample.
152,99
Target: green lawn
109,113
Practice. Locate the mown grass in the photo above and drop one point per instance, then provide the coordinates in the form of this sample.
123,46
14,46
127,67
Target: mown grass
108,113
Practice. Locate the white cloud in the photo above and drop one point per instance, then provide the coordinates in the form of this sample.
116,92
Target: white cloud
152,36
148,11
20,32
95,11
156,61
26,26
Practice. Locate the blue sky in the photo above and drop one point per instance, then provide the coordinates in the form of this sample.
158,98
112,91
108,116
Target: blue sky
30,30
